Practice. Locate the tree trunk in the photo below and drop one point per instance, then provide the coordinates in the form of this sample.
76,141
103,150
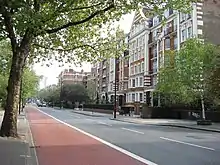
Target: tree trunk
9,124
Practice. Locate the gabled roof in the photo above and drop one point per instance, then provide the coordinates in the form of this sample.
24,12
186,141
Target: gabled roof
141,14
135,18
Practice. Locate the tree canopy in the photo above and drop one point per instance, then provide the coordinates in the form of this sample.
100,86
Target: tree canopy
74,93
69,93
70,27
190,74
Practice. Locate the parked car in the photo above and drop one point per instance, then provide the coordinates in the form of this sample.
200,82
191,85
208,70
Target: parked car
40,104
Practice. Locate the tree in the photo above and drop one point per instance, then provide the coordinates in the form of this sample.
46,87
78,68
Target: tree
91,89
50,94
30,83
68,27
213,76
74,93
185,78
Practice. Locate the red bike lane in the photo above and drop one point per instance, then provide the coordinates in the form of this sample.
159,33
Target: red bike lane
58,144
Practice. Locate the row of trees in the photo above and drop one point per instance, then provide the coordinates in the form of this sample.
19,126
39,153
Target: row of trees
30,80
69,94
191,75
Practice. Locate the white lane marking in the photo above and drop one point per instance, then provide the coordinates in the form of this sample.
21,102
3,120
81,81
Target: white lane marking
190,144
32,141
75,116
132,130
90,119
100,122
145,161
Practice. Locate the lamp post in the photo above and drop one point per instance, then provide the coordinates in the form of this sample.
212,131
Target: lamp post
115,91
61,90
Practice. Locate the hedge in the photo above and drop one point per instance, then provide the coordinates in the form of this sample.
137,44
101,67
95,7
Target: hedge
99,106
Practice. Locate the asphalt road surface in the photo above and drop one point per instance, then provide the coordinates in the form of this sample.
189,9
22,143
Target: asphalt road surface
147,143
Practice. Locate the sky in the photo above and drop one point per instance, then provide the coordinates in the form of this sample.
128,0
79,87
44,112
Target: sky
51,73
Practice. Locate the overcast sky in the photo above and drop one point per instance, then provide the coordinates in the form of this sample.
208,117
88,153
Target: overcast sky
53,71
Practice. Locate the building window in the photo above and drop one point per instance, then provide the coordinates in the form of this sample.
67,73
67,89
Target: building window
183,35
154,65
136,70
189,32
133,97
167,43
133,82
136,82
142,66
155,51
175,43
141,97
139,54
182,17
175,24
136,97
155,21
132,70
136,56
189,16
139,68
141,81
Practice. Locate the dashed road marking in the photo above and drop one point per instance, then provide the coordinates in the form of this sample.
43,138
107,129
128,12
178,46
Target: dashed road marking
131,130
100,122
186,143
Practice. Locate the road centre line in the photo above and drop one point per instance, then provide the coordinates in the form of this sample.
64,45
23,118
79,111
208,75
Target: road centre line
100,122
89,119
141,159
131,130
189,144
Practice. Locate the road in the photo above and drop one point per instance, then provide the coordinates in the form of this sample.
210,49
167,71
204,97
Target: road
146,143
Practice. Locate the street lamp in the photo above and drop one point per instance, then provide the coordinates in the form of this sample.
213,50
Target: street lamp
61,90
115,91
118,44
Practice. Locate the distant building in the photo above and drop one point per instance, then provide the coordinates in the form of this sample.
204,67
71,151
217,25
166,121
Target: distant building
69,76
91,84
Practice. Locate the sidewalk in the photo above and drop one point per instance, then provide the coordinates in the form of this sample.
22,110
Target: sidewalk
17,151
90,113
215,127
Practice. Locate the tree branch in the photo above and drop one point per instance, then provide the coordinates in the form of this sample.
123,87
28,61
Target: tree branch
65,50
81,21
59,11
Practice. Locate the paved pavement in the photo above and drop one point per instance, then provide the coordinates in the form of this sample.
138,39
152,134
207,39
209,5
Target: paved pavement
17,151
215,127
87,140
